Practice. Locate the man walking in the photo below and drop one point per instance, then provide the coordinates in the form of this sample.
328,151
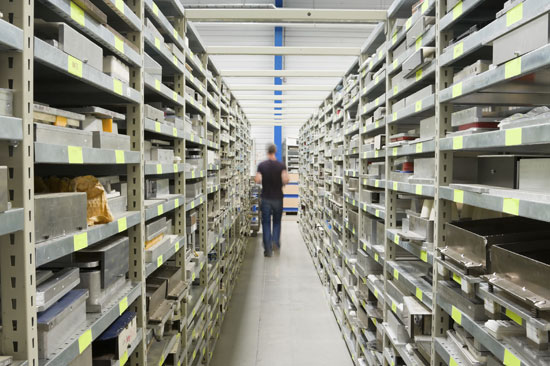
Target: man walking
273,175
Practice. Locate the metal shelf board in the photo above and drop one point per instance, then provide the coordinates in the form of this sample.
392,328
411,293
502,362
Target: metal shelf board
400,8
195,104
158,16
11,36
213,167
427,7
352,129
409,275
172,248
53,58
80,20
56,248
212,145
374,104
126,356
59,154
159,350
157,210
11,221
374,154
12,128
458,13
195,174
212,83
371,251
395,236
96,323
375,87
159,51
421,80
195,203
338,180
375,39
195,139
196,83
413,113
501,350
498,86
213,102
163,129
351,173
172,7
401,349
159,169
158,88
196,302
213,189
354,151
376,60
196,65
518,207
448,352
123,12
418,189
413,148
352,103
374,209
510,140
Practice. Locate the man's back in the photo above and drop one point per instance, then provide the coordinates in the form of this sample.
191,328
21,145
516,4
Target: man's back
272,183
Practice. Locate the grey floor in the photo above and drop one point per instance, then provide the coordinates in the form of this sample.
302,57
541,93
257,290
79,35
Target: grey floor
279,314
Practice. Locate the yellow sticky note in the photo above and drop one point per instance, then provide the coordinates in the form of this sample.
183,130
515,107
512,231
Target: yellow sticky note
513,137
396,274
457,10
419,148
514,15
515,317
418,106
74,65
119,157
122,305
458,50
418,43
77,14
457,90
122,224
84,341
157,84
160,210
419,189
512,68
75,155
419,294
458,142
159,168
458,196
80,241
159,261
510,206
424,256
456,315
119,45
117,86
376,103
193,174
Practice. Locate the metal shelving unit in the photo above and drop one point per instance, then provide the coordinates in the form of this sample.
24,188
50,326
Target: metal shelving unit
188,85
380,273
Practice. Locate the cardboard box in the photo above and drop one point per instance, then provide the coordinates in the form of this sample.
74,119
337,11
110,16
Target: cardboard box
291,189
291,202
294,177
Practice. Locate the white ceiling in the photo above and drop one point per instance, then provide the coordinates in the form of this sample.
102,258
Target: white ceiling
256,34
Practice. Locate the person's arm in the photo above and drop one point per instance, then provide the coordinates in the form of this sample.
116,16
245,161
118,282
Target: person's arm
258,178
284,177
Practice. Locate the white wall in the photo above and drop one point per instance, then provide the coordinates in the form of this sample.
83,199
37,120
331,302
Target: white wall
262,137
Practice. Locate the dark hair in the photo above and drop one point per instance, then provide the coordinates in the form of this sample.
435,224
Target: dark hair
271,149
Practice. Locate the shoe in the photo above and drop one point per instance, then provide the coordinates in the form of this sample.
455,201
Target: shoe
267,254
276,247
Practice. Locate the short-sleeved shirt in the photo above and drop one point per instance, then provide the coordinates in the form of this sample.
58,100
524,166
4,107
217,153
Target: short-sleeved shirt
272,182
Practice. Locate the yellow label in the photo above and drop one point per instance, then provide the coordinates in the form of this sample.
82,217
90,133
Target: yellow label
193,174
192,204
452,362
394,38
155,9
122,224
376,80
160,210
418,74
157,126
176,35
419,189
408,24
84,341
458,196
80,241
376,183
457,90
177,202
458,142
394,116
376,153
175,60
75,155
159,261
380,55
514,15
74,65
419,294
371,64
418,43
193,279
377,213
119,157
376,293
159,168
419,148
117,86
515,317
395,186
458,50
513,137
175,168
457,278
119,4
456,315
119,45
424,6
177,246
376,103
122,305
424,256
192,138
457,10
394,151
123,358
157,43
510,206
395,64
157,84
77,14
418,106
509,358
376,257
512,68
175,96
395,89
394,307
396,272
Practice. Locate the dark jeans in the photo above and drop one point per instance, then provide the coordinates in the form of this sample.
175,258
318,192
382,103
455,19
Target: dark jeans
271,208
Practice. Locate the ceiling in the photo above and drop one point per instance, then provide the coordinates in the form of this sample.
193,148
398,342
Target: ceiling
295,111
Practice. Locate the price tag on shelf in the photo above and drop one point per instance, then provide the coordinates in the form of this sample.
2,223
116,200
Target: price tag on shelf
160,210
75,155
396,274
457,278
424,256
157,43
418,43
457,90
424,7
117,86
159,168
456,315
408,24
419,189
80,241
155,9
74,66
419,148
419,294
458,142
119,157
84,341
418,106
458,50
515,317
510,206
513,137
122,305
157,84
77,14
122,224
458,196
512,68
514,15
159,261
418,74
457,10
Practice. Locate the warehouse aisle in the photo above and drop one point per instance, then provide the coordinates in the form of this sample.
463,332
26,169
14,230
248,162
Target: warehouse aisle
279,314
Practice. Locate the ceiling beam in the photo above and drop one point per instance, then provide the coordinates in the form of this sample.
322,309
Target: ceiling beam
250,111
281,15
277,123
282,73
283,51
304,105
271,115
235,87
280,97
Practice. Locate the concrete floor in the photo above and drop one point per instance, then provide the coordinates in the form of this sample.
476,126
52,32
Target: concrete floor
279,314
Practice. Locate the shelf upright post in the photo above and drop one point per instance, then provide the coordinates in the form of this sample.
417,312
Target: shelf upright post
443,173
17,261
136,186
